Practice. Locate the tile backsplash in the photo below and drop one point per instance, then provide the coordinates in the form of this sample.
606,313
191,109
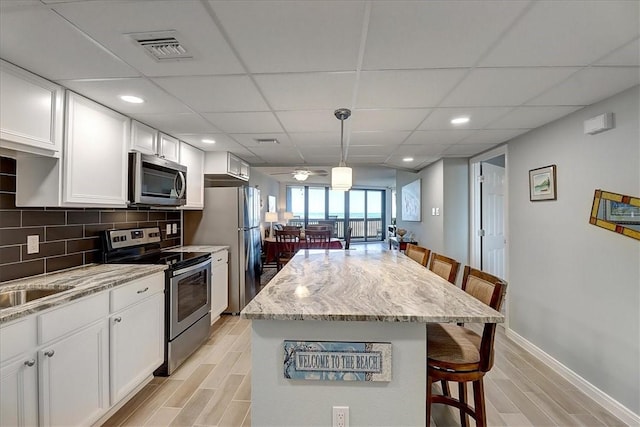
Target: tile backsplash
69,237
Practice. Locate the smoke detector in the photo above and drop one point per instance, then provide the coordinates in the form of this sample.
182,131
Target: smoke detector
162,45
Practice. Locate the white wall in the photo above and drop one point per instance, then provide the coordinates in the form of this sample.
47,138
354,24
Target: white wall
574,288
268,186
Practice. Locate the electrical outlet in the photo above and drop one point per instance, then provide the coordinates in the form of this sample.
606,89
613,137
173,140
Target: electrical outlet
175,228
168,229
33,244
340,416
437,211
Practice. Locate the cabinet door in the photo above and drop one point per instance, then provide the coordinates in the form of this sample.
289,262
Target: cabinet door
95,155
234,165
169,148
143,138
219,289
19,392
30,112
244,170
137,345
74,377
193,159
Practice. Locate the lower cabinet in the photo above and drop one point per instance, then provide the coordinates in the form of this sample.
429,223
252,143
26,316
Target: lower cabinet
219,283
74,378
69,365
137,344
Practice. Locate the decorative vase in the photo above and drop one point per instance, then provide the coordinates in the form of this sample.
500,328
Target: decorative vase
401,232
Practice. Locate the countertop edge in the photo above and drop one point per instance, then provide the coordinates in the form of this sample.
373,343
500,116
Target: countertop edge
373,318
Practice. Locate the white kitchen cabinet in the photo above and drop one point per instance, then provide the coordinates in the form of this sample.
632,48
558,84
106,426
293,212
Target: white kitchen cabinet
225,163
193,159
95,155
143,138
136,334
31,112
19,392
169,148
219,283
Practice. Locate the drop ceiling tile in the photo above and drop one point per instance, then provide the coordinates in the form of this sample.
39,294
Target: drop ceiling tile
566,33
307,91
324,139
494,87
467,150
108,92
366,160
629,54
590,85
274,150
370,150
437,136
310,121
417,163
176,123
277,36
531,117
208,94
377,138
110,22
440,118
222,141
423,150
410,34
249,139
491,136
406,88
385,120
258,122
281,158
36,38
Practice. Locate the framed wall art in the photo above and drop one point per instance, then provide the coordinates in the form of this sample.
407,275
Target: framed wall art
542,183
411,210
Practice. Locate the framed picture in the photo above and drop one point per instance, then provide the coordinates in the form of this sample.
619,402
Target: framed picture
621,213
542,183
271,207
411,210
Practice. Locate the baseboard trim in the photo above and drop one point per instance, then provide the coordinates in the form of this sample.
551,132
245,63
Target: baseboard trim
609,403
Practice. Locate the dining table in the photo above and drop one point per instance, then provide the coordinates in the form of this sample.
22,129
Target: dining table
270,247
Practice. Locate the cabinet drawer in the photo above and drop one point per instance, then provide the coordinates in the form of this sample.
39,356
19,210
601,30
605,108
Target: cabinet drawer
138,290
220,257
72,316
18,337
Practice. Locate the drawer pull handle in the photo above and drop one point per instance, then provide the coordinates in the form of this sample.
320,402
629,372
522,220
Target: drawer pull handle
117,319
29,363
143,290
49,353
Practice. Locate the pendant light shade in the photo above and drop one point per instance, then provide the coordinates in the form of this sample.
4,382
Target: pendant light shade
341,176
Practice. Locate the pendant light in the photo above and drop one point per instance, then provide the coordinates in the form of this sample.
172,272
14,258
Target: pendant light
341,176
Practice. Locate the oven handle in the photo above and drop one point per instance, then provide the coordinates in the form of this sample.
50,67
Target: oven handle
192,268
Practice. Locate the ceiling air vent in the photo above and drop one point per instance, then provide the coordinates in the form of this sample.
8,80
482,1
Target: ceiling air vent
162,45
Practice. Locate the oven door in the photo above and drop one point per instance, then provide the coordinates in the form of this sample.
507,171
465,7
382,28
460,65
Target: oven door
189,296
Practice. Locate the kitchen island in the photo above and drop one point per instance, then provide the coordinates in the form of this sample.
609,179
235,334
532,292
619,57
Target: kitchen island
350,297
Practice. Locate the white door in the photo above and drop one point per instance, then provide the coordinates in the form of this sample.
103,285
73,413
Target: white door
493,223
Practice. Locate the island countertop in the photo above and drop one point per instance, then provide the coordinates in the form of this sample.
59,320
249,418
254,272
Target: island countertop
362,285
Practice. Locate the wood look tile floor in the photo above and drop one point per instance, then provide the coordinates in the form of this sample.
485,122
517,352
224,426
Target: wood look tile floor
213,388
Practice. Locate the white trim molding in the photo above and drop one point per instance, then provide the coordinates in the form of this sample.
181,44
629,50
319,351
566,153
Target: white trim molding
607,402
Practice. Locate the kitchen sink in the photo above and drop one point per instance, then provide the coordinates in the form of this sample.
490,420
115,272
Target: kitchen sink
22,296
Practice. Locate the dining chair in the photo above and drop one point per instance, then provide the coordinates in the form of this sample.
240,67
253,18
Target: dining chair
417,253
317,239
456,353
347,238
317,227
287,244
445,267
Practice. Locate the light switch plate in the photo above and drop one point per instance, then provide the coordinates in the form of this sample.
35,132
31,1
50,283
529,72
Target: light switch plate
168,229
175,228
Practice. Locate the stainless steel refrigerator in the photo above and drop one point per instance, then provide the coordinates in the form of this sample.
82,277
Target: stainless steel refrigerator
231,216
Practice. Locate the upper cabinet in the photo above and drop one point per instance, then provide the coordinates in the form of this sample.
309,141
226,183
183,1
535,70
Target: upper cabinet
224,163
31,112
147,140
193,159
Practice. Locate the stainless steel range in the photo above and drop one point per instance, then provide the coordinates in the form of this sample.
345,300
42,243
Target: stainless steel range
187,288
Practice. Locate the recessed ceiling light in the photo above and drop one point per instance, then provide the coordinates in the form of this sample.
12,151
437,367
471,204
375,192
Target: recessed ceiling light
459,120
209,141
132,99
408,159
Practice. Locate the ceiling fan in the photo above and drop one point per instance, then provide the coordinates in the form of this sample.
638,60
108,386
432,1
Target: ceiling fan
303,174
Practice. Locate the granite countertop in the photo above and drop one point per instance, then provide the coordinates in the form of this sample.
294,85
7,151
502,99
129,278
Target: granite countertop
199,248
362,285
85,280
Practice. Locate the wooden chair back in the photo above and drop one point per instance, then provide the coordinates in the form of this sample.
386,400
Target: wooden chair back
317,227
445,267
347,238
417,253
318,239
287,244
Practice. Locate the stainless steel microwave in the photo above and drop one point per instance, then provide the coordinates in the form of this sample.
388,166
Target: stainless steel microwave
156,181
